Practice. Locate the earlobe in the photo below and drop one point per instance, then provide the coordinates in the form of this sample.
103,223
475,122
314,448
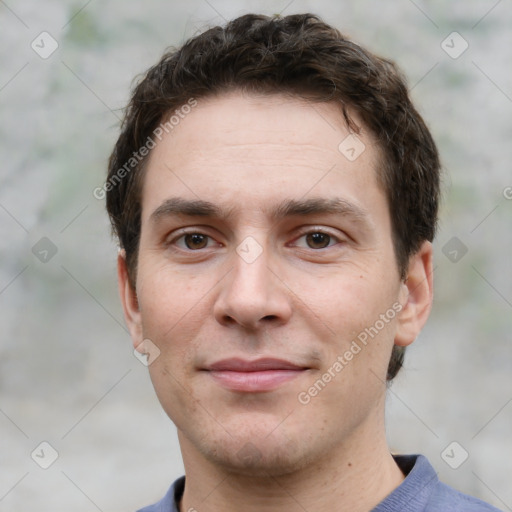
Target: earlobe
418,293
129,300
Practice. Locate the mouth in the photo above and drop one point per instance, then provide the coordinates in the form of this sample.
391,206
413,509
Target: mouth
254,376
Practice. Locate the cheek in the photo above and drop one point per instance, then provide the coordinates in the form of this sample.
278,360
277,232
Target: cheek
362,323
347,299
167,298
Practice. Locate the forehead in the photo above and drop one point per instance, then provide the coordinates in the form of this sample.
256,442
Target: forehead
241,148
239,117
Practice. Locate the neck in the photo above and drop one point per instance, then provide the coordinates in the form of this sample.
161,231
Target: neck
355,477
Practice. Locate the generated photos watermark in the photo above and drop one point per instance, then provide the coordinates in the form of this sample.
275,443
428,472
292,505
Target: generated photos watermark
137,156
357,345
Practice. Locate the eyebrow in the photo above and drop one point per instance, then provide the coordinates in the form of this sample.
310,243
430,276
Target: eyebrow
175,206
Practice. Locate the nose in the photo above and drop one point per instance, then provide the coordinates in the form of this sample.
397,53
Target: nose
253,294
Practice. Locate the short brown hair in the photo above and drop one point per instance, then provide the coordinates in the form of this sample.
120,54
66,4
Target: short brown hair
302,56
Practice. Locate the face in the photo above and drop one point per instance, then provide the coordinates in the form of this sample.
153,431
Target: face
268,282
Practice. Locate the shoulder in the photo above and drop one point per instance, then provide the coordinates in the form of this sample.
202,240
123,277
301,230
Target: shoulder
169,501
447,499
421,491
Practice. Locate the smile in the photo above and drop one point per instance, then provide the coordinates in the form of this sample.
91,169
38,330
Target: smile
254,376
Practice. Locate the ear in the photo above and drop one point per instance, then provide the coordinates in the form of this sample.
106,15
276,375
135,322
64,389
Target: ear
416,296
129,300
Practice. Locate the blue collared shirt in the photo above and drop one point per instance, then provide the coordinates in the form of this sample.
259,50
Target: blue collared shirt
421,491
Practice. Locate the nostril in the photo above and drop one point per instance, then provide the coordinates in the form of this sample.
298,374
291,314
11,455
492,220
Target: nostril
228,319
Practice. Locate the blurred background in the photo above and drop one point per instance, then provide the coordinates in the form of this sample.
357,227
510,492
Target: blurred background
68,376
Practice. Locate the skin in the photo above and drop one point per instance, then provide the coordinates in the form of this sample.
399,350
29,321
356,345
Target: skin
303,299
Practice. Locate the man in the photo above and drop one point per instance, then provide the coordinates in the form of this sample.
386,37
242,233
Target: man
275,195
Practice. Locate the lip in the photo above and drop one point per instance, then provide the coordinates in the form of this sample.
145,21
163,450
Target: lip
236,364
254,376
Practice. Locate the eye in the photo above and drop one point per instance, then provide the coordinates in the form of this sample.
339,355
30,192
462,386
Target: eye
192,241
318,240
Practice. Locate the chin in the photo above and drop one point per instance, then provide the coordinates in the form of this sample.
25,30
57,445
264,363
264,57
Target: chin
259,456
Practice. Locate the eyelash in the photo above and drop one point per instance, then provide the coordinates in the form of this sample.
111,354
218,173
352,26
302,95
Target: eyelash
183,234
331,236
